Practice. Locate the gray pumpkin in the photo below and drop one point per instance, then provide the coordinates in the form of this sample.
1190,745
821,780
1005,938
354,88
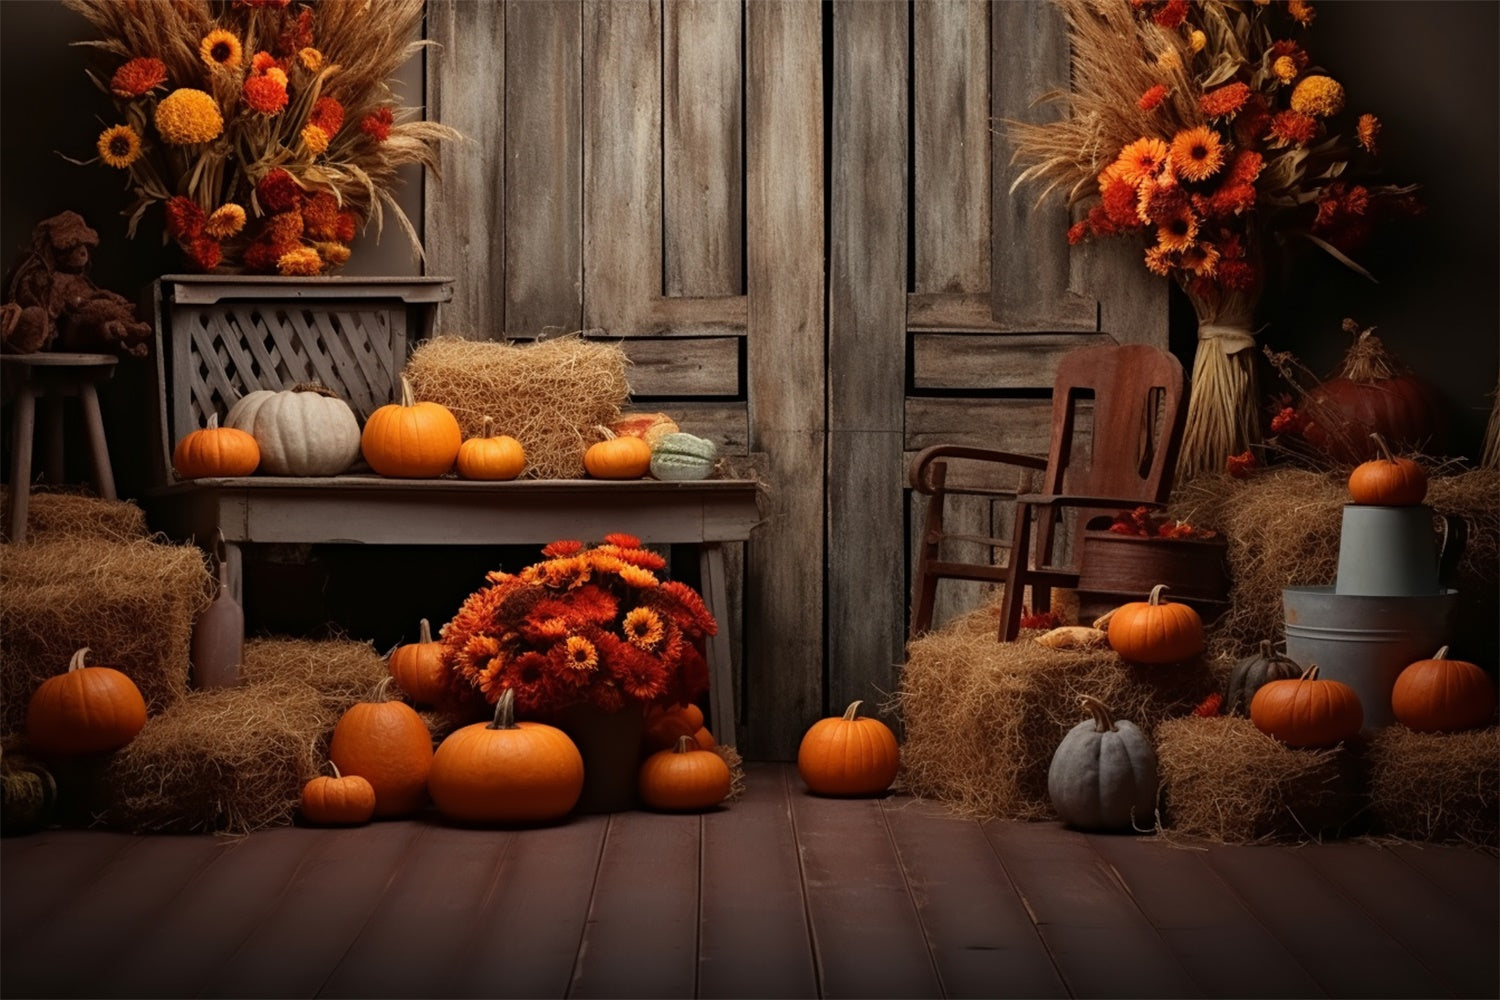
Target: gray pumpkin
1252,672
1103,774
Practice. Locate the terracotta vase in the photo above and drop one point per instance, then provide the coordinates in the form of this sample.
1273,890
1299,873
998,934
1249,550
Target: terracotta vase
610,743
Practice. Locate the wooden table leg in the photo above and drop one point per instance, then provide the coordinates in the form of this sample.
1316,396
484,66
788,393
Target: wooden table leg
93,420
22,435
720,661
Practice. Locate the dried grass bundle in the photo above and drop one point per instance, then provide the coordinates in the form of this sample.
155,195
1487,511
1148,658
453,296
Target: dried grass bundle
340,671
983,718
133,604
52,515
1437,786
1225,781
552,395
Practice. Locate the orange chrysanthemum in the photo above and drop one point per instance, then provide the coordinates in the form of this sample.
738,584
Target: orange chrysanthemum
1159,203
1142,160
315,139
1301,11
1292,128
138,76
581,654
328,115
562,547
1368,132
1196,153
264,95
643,628
1225,101
1177,232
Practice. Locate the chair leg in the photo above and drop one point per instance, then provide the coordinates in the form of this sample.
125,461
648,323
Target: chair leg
1015,575
93,419
925,588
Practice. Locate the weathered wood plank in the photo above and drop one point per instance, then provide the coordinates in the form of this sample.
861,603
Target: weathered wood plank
752,899
1017,425
866,344
543,153
1031,280
726,423
43,871
864,920
703,173
683,367
1462,874
1432,924
981,936
951,126
622,196
983,361
974,311
529,925
462,231
1102,944
1221,944
645,903
1330,935
786,371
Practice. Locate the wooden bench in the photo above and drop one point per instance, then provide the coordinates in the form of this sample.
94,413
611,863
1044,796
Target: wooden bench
218,338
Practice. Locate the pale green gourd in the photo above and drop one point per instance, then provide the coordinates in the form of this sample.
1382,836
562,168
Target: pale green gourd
683,456
301,431
1103,774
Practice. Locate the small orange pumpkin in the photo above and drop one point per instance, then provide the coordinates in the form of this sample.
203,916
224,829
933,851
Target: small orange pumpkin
344,799
215,451
411,439
1153,630
618,457
685,778
84,710
1443,696
386,743
1388,481
504,771
418,668
1308,711
848,755
491,456
647,426
666,723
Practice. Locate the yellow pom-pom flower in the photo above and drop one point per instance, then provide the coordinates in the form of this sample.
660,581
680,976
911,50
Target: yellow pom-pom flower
187,116
225,221
315,139
303,262
1319,96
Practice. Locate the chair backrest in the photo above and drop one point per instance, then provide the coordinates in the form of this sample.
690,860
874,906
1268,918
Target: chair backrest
1137,394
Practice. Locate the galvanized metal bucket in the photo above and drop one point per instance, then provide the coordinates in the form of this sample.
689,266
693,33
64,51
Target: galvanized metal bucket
1366,641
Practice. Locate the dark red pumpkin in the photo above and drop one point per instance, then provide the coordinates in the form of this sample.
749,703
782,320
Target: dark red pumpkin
1373,392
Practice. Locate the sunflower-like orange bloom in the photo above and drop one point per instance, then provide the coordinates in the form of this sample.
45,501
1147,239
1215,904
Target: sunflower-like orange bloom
1200,258
1177,232
1196,153
1159,203
1142,160
643,628
562,547
119,146
221,48
581,654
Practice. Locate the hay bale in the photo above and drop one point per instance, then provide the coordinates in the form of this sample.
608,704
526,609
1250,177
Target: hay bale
1227,782
983,718
1441,787
552,395
133,604
51,515
234,760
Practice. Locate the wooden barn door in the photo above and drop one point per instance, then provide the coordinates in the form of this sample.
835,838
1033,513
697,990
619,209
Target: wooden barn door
661,172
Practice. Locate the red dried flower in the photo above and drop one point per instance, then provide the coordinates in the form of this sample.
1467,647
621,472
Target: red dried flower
320,216
1287,421
138,76
278,191
1040,619
377,124
1152,97
1240,466
327,114
184,219
1293,128
265,95
1225,101
1209,707
203,253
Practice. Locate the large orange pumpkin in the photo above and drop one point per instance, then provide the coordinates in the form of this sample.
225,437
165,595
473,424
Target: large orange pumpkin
1308,711
1155,631
85,710
848,755
386,743
215,451
1388,481
505,771
1443,696
411,439
685,778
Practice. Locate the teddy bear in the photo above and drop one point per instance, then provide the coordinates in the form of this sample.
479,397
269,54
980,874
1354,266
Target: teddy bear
53,303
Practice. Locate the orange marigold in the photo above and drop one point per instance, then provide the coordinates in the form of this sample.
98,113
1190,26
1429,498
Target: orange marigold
264,95
1152,97
1301,11
1292,128
300,262
1225,101
138,76
1368,132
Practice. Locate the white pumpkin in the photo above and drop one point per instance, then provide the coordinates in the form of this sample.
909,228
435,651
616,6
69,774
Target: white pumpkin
682,456
1104,774
302,431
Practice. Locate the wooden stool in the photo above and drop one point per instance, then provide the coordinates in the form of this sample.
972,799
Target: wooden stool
55,374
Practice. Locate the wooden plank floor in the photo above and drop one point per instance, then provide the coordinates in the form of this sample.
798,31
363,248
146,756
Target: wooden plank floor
781,894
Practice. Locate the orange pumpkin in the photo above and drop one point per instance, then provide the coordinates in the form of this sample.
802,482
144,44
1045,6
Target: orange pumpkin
666,723
1388,481
647,426
1443,696
618,458
685,778
491,456
215,451
848,755
386,743
411,439
1154,631
85,710
505,771
1308,711
344,799
418,669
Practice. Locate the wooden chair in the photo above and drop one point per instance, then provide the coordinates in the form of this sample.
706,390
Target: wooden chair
1137,395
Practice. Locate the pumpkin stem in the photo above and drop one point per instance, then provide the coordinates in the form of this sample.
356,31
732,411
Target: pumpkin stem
1267,649
852,712
1156,592
76,663
383,689
213,422
1103,721
314,386
505,710
685,744
1102,622
487,429
407,397
1441,654
1385,449
1310,674
335,767
424,632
